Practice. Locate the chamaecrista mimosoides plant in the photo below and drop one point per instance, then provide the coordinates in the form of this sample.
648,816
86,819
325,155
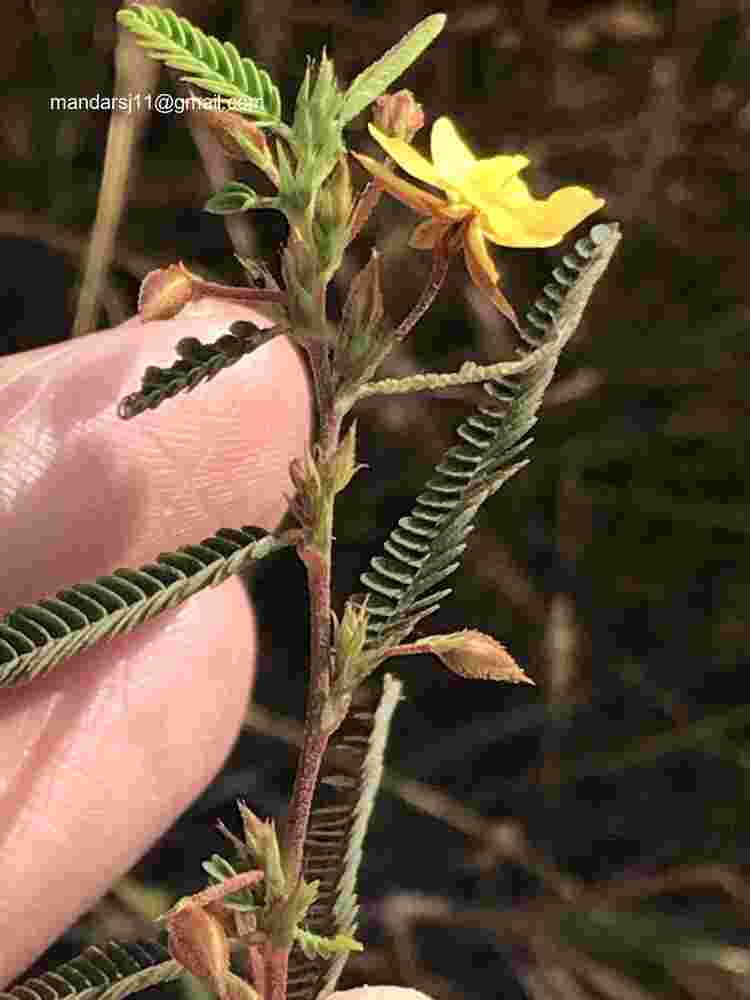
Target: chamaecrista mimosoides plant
290,899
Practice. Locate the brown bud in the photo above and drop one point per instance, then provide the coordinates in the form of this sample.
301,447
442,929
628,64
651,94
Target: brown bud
163,293
361,320
199,943
305,477
476,655
239,138
398,115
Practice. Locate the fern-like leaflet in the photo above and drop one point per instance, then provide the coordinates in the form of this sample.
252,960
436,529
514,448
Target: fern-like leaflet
35,638
109,972
426,547
198,363
350,776
209,64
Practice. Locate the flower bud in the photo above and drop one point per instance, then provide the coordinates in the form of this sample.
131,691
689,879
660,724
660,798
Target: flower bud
305,476
164,292
198,942
239,138
476,655
335,197
361,321
260,837
398,115
297,271
343,467
351,635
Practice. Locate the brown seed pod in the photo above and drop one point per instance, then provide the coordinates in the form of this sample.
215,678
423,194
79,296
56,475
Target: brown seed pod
473,654
164,292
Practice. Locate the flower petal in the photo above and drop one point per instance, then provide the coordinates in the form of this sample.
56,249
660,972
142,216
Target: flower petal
450,154
483,271
484,185
481,266
421,201
408,158
525,221
428,233
565,208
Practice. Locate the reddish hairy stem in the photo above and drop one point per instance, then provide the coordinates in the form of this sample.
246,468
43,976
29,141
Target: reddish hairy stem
316,553
305,783
256,962
238,293
275,973
433,286
318,564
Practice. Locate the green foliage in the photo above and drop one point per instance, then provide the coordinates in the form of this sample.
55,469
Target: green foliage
316,887
426,547
209,64
376,79
263,848
220,869
198,363
315,946
36,638
110,972
351,773
233,197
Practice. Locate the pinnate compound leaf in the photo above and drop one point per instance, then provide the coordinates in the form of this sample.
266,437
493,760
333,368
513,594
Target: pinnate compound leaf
350,777
35,638
377,78
426,547
198,363
109,972
206,62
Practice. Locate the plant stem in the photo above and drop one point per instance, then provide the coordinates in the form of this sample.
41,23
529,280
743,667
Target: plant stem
315,551
237,293
433,286
275,973
316,554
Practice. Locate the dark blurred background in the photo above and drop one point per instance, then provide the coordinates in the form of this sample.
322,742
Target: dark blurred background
585,838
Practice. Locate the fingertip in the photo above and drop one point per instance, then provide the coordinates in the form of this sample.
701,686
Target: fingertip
106,751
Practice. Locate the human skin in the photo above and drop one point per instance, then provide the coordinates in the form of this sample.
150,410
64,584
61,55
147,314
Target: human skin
98,758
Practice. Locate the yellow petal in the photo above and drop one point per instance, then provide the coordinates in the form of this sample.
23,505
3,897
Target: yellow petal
525,221
450,154
565,209
421,201
427,234
483,271
481,266
408,158
485,183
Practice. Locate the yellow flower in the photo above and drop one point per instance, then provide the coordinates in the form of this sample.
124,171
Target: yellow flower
484,200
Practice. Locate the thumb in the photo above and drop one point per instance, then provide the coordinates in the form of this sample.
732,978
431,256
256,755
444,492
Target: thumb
99,757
